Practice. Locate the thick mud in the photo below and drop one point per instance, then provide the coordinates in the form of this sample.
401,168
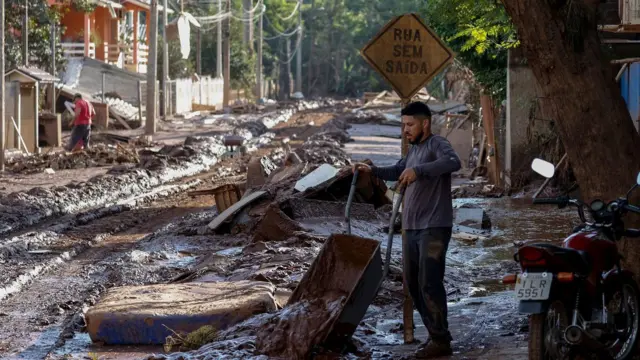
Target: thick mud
153,168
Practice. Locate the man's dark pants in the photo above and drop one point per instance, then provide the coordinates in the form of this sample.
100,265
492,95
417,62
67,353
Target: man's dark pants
425,254
80,132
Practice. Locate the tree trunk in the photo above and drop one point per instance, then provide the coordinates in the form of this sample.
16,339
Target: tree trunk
489,112
310,62
593,122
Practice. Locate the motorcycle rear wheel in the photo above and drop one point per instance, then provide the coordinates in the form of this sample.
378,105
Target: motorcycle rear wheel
541,328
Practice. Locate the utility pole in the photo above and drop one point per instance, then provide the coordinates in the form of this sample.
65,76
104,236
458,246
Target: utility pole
299,51
53,67
25,35
247,30
152,96
165,60
259,85
219,44
226,57
288,93
199,52
2,102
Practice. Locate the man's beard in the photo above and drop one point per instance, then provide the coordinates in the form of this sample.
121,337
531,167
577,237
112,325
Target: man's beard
418,139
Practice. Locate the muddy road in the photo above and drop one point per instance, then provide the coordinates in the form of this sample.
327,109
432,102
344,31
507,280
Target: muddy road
56,272
76,265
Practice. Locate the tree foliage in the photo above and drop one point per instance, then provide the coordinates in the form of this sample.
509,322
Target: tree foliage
335,31
41,15
480,32
178,67
243,63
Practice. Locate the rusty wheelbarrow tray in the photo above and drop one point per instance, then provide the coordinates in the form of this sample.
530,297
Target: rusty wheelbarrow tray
349,266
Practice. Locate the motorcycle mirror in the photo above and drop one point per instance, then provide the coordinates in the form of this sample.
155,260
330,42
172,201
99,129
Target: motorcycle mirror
634,186
544,168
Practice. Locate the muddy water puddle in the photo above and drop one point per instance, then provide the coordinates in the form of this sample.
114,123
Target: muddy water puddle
484,320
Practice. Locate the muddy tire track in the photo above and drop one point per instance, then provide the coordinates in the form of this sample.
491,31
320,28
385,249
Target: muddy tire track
40,318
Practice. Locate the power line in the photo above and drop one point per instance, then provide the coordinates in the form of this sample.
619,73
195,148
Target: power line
219,17
293,55
293,13
286,33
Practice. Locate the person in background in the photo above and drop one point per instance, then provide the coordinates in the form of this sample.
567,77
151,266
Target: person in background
427,219
81,132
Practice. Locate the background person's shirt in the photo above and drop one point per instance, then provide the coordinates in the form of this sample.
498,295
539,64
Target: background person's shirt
84,111
427,201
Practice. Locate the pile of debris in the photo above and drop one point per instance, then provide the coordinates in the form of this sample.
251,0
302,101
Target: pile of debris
476,188
95,156
325,147
21,209
366,117
274,219
390,98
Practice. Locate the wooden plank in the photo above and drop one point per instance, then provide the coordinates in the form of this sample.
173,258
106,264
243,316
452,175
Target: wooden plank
228,213
407,302
120,120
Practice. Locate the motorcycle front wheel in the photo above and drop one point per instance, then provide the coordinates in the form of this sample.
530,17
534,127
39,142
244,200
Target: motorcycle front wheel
545,332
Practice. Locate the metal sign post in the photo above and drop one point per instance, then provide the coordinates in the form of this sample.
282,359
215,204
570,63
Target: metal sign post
408,55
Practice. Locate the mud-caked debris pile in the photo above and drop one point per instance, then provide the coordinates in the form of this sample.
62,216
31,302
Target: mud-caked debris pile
97,155
365,117
274,232
21,209
326,146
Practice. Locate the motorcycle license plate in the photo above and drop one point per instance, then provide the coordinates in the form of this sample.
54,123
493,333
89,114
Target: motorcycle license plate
533,286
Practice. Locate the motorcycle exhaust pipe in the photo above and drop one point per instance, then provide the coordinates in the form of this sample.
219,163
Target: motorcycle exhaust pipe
575,335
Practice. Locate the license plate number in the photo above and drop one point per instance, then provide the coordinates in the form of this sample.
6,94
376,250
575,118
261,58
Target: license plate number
533,286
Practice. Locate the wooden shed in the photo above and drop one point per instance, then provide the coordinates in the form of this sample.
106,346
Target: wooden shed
22,117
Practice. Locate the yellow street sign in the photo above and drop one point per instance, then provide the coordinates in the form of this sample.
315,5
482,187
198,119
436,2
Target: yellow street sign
407,54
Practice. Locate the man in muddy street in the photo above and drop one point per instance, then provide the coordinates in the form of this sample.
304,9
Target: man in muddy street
427,220
81,131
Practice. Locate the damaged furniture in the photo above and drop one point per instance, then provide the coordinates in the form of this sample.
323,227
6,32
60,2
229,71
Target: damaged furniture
146,315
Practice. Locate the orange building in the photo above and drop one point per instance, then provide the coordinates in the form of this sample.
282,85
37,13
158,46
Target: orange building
115,32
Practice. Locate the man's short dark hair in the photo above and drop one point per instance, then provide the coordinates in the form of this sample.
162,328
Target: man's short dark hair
416,109
77,96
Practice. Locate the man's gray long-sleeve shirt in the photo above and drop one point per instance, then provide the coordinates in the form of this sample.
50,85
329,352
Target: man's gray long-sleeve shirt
427,201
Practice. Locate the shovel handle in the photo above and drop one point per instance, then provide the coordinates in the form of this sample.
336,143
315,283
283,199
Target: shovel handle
347,211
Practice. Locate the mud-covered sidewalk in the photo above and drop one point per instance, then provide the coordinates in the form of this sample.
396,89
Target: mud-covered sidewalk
57,274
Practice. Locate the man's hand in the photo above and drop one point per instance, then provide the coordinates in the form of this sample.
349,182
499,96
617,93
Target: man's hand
407,177
361,168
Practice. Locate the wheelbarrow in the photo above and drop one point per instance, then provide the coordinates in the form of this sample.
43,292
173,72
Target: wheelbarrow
349,266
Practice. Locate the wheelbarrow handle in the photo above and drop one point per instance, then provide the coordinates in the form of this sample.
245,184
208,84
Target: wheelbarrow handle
392,222
347,211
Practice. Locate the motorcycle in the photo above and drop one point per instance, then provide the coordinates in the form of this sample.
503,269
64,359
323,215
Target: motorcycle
581,303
